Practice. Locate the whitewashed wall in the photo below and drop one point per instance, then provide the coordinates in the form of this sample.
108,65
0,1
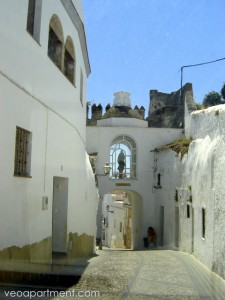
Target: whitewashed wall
36,96
99,140
27,63
205,171
169,166
199,180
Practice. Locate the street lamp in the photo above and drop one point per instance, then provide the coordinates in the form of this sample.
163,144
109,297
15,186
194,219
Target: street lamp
106,170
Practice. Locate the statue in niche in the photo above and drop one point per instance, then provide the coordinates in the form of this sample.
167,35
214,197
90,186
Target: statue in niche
121,162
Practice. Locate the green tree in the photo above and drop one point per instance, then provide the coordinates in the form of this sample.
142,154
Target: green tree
199,106
212,98
223,91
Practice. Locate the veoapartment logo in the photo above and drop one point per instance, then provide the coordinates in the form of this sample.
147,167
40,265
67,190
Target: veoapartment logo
50,293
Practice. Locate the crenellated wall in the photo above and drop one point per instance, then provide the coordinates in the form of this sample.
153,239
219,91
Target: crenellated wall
96,113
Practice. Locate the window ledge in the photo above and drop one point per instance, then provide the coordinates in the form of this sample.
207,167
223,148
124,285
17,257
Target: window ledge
22,176
64,75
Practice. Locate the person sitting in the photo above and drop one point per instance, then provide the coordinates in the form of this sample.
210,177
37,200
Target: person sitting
151,237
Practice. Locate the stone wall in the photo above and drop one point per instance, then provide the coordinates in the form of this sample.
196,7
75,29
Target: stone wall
167,110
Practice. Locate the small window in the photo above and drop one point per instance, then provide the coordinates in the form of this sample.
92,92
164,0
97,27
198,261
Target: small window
188,211
81,87
22,165
203,223
34,18
121,226
30,16
159,179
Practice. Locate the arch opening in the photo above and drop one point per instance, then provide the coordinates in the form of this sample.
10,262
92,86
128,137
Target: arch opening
123,158
122,219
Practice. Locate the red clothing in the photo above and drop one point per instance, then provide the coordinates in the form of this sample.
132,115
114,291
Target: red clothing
151,236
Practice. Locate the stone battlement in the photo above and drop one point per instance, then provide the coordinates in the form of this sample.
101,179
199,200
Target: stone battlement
165,110
120,111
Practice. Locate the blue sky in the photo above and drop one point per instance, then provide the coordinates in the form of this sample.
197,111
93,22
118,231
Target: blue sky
138,45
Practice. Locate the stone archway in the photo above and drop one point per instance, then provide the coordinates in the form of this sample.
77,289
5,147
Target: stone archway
122,219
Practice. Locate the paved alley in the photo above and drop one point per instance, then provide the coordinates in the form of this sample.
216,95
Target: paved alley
117,275
152,275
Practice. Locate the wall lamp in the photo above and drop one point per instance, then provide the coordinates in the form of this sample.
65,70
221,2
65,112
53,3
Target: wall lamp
106,170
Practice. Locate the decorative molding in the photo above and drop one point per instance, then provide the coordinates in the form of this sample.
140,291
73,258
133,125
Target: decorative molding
77,22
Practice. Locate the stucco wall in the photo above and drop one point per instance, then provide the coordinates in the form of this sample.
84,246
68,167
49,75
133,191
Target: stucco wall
205,170
27,63
38,97
201,186
99,140
168,165
57,150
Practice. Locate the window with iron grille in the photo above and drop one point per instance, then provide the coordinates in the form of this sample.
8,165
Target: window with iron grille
22,166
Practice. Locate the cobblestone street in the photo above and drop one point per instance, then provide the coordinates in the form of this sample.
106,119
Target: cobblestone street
154,275
150,275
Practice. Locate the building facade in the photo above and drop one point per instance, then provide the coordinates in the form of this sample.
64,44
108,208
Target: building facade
168,178
47,187
197,197
122,138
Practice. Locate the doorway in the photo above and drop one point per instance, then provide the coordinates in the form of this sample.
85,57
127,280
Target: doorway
122,219
59,214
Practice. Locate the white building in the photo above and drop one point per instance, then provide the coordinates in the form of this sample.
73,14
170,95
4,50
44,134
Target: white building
124,132
199,191
181,195
47,187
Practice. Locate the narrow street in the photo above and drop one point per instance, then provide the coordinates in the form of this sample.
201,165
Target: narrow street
151,275
161,274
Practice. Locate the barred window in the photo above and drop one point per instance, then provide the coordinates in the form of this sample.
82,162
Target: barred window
22,166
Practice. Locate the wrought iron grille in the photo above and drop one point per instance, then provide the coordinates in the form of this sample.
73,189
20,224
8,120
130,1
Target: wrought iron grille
21,152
